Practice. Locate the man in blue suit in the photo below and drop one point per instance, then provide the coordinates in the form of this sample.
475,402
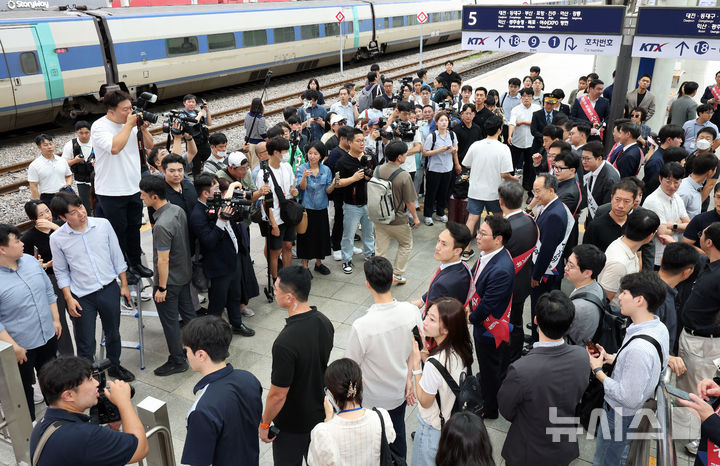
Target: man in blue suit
224,245
543,118
489,307
592,108
555,222
627,160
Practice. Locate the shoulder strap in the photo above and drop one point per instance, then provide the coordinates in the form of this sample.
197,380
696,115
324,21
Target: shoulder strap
77,150
502,101
601,309
394,174
452,136
43,440
278,190
446,375
434,138
383,437
642,337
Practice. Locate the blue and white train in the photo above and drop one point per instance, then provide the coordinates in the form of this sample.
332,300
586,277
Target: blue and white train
59,63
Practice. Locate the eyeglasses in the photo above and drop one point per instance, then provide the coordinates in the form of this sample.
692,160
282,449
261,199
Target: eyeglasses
569,266
558,168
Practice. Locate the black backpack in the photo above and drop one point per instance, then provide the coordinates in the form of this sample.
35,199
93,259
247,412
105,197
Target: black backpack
611,326
468,396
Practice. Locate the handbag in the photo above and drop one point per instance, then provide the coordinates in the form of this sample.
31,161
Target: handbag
291,211
387,457
594,396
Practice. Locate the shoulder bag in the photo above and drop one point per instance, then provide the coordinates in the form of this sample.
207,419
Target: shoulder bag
387,457
291,211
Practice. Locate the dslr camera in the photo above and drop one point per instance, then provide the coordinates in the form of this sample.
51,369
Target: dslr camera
187,124
139,108
239,205
405,130
384,133
104,412
368,164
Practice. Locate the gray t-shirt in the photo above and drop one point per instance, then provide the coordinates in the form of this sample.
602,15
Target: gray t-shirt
587,315
403,191
170,232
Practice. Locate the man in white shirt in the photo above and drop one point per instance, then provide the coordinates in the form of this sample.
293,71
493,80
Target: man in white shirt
621,257
668,206
520,137
48,173
380,342
490,163
694,189
344,108
79,155
118,167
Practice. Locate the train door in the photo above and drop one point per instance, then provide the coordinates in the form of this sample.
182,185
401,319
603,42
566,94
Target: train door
34,76
7,98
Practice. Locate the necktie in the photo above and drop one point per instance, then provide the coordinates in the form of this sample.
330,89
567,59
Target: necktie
592,180
548,118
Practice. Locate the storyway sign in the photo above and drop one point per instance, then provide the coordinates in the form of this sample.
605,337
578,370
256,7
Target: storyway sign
689,33
595,30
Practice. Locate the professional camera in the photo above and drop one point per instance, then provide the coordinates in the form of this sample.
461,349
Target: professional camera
187,124
405,130
239,204
406,80
104,412
384,133
139,108
368,164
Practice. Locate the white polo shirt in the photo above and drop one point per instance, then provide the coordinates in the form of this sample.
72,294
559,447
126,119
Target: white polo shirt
487,159
522,137
48,174
670,210
115,174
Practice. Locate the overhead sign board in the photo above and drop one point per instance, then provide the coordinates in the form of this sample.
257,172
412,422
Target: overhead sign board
562,29
689,33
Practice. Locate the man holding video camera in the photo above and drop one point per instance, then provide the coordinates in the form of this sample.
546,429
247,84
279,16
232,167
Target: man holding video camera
198,131
66,436
403,129
118,165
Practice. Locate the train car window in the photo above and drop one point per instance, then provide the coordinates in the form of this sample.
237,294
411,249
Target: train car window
411,20
332,29
29,63
309,31
255,38
181,46
398,21
348,27
284,34
224,41
435,17
387,23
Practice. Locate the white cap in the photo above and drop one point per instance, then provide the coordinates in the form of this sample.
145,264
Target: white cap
236,159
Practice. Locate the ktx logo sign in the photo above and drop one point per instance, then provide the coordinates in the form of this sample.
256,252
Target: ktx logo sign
477,40
651,47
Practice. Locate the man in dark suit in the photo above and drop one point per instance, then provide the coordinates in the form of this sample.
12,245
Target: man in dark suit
712,96
599,179
543,118
224,245
489,307
555,222
627,160
593,109
520,246
452,278
544,386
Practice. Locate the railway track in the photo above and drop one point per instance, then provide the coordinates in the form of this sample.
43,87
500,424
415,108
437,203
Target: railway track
393,73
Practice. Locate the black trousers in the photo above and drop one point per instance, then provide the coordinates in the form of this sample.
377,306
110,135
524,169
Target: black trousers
290,448
177,304
125,215
489,359
437,192
545,286
36,358
522,158
337,227
397,416
65,344
226,293
84,193
204,151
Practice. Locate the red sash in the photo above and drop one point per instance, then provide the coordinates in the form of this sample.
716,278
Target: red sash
498,328
713,451
715,91
591,114
612,150
520,261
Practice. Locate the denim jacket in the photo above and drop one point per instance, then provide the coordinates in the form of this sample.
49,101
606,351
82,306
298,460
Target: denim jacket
314,196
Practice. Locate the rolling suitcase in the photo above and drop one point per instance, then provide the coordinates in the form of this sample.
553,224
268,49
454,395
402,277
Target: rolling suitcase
457,210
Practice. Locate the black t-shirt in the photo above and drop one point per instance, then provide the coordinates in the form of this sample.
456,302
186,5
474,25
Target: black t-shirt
466,136
356,193
35,237
480,118
699,223
702,307
299,358
602,231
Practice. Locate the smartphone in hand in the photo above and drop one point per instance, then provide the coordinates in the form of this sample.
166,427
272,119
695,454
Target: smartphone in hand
331,400
677,393
418,338
591,346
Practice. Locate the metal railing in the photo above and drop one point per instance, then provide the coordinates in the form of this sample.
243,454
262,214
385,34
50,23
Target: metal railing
167,452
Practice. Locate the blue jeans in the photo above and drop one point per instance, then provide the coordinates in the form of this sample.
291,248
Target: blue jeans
608,451
352,215
425,445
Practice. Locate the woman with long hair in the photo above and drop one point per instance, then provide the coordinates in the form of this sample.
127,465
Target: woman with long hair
446,326
314,85
350,435
464,442
315,182
256,129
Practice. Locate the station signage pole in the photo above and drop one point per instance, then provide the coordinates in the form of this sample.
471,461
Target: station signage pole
422,18
340,17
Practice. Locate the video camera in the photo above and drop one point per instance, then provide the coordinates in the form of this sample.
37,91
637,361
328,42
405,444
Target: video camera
239,205
187,124
139,108
104,412
405,130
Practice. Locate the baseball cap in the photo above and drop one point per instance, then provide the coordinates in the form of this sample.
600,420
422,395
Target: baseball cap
236,159
337,119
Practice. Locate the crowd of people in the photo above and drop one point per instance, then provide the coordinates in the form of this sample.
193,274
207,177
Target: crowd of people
517,170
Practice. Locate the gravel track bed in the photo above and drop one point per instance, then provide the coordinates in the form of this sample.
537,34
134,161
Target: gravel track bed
23,148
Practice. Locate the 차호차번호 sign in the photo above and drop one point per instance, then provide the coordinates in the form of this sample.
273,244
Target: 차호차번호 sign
690,33
561,29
